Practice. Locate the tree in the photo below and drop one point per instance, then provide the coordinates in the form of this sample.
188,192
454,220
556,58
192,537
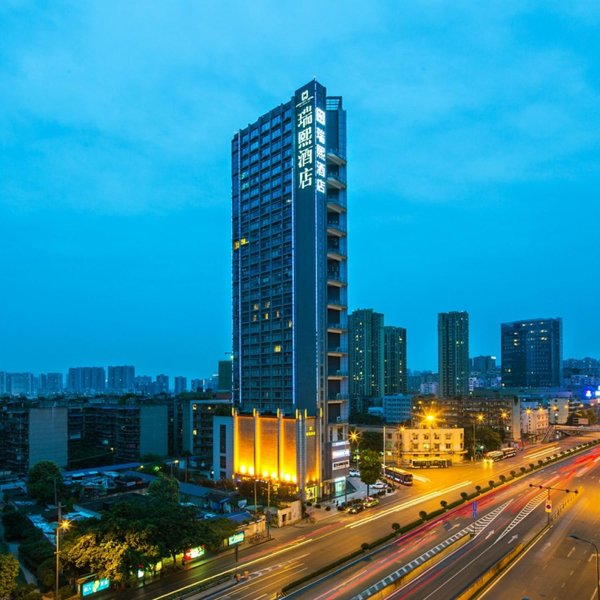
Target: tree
371,440
164,489
370,467
42,481
9,571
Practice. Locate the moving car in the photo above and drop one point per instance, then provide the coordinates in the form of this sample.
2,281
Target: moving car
356,508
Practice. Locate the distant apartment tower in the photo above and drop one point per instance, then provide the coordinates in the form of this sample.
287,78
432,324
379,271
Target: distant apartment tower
225,373
121,380
196,385
143,384
180,385
531,353
483,364
86,380
395,374
162,384
453,354
50,384
366,353
289,267
20,384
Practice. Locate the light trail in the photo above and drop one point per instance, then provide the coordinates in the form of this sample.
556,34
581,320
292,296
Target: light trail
389,511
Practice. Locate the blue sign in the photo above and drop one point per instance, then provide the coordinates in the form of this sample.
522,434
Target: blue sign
474,505
97,585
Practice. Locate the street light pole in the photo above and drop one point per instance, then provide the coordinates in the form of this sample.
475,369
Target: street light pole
59,525
57,567
576,537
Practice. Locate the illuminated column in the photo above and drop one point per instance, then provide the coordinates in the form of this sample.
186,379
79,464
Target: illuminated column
280,444
256,444
236,445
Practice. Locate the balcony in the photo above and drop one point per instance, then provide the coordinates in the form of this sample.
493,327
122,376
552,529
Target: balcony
337,374
334,205
336,327
337,350
335,157
335,181
335,231
338,398
335,305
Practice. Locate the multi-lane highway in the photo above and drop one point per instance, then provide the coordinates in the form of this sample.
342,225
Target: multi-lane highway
297,551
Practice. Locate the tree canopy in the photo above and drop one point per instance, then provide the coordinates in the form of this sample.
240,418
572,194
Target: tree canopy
164,489
134,535
42,479
9,570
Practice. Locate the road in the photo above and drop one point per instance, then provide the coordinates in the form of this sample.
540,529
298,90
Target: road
557,566
299,550
506,517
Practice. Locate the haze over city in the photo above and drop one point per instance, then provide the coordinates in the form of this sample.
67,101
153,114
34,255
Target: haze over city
473,141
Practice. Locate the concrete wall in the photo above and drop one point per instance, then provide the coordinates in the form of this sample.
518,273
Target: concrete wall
154,437
48,436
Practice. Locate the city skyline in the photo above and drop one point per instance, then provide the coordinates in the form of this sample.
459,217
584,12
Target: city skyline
469,175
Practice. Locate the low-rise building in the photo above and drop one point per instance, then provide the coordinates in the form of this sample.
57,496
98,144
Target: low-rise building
425,446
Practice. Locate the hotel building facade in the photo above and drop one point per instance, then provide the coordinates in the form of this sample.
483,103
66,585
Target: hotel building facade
290,340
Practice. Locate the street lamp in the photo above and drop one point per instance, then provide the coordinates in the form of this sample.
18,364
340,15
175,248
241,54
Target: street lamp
480,419
64,525
580,539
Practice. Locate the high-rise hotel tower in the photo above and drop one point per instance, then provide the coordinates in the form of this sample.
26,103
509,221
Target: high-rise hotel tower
290,277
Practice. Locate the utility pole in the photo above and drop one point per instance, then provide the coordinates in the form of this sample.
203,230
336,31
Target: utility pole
548,501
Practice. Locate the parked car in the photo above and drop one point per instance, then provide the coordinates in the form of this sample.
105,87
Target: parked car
379,485
354,473
369,502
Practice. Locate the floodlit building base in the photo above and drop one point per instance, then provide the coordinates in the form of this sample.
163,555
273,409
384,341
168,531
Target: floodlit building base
280,449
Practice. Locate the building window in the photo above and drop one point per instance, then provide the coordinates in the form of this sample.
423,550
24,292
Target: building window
222,439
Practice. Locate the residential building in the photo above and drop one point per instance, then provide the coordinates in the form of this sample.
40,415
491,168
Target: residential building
180,385
290,271
162,384
133,430
453,354
29,435
143,384
397,408
532,353
534,423
425,446
483,364
86,380
21,384
197,426
394,353
225,374
121,380
50,384
366,354
196,385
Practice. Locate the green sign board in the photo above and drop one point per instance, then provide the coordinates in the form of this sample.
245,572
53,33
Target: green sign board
236,538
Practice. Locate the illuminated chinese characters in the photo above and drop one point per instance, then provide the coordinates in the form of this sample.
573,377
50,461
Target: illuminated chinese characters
310,144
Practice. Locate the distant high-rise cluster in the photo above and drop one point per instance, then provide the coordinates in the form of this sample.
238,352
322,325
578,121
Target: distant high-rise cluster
377,358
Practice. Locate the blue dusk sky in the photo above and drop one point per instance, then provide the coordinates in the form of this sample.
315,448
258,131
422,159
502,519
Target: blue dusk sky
473,162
